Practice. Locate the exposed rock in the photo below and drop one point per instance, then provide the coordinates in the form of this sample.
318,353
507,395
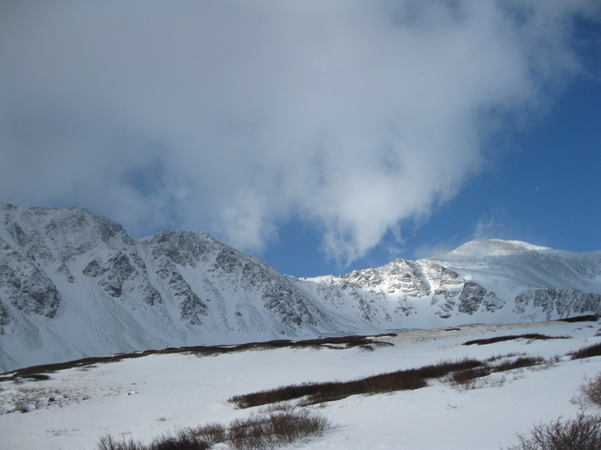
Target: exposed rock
4,317
26,286
70,279
564,302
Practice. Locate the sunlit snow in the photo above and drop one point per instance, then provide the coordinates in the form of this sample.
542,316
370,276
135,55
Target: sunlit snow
145,397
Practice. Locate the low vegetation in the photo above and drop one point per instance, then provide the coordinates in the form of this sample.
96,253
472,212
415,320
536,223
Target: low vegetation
313,393
589,393
459,373
472,378
342,342
587,318
266,430
532,336
587,352
581,433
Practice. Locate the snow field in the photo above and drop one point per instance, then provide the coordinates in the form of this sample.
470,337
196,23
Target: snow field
145,397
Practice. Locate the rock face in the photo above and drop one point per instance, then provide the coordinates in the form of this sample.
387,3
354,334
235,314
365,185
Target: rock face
74,284
562,302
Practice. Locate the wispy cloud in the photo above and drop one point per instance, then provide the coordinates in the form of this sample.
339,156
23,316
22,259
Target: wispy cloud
487,228
432,251
232,117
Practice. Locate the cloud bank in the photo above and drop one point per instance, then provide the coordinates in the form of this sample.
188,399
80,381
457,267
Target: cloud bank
234,117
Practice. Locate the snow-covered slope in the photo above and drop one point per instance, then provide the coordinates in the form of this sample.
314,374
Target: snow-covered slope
540,283
146,397
483,281
74,284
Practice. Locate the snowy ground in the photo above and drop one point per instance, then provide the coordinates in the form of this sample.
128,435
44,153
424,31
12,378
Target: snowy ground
145,397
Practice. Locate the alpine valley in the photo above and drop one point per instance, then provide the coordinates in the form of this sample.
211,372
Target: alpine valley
73,284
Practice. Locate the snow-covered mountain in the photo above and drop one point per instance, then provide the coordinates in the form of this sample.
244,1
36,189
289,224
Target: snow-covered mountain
74,284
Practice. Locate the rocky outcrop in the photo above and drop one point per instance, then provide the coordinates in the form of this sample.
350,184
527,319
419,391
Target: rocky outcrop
24,285
561,302
74,284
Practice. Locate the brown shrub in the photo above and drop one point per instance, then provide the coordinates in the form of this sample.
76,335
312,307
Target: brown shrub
590,392
259,431
109,443
465,376
182,440
443,368
532,336
589,318
587,352
519,363
581,433
342,342
212,433
506,355
314,393
275,429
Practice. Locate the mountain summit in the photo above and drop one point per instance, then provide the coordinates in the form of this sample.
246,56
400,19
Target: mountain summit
74,284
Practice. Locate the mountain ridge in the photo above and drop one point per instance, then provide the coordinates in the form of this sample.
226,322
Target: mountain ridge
74,284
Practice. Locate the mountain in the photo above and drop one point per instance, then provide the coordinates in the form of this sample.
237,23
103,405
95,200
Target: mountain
74,284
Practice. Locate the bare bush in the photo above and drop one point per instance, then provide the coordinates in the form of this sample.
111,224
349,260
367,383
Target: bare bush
285,406
589,392
212,433
587,352
275,429
532,336
519,363
259,431
462,372
479,383
482,376
581,433
587,318
465,377
184,439
342,342
506,355
109,443
314,393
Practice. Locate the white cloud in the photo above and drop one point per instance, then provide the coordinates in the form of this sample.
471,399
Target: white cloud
232,117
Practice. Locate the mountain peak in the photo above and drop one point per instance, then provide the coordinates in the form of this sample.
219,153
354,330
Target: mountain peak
493,247
74,284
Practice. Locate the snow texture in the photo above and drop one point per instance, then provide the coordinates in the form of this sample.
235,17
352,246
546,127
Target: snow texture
73,284
145,397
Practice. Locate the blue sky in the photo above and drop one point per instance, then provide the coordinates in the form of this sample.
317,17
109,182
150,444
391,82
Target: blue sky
319,136
543,187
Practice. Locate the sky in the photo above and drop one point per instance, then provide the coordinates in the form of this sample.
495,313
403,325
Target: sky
320,136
